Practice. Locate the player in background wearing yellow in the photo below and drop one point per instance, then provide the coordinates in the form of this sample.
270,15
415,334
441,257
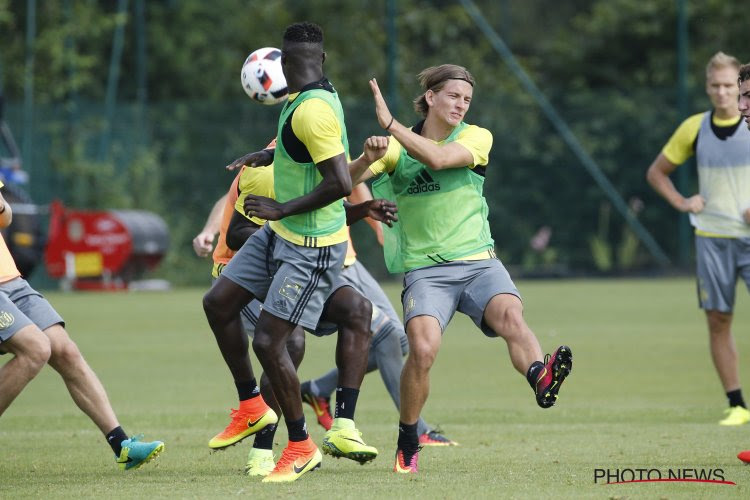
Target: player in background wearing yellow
34,334
435,171
720,212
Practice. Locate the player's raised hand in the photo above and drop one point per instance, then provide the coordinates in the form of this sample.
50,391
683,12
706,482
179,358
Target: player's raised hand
375,148
383,211
255,159
385,118
262,207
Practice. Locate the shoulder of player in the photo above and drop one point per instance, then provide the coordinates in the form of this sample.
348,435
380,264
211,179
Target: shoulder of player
475,131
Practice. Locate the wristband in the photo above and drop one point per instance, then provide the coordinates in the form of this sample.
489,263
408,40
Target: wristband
391,123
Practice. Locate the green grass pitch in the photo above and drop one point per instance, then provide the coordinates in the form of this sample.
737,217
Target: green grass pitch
643,394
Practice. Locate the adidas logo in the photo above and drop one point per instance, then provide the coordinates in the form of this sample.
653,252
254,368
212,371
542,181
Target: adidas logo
423,183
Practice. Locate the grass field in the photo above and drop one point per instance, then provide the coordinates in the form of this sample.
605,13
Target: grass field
643,394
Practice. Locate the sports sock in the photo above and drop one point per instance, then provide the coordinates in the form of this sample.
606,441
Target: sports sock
735,398
264,439
247,389
297,429
115,437
346,402
533,373
408,441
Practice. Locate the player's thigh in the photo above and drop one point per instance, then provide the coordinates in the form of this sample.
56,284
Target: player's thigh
431,291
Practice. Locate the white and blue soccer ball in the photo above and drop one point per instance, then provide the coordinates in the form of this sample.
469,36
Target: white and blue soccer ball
263,78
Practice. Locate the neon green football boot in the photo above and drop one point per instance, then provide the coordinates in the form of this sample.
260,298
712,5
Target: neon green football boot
344,440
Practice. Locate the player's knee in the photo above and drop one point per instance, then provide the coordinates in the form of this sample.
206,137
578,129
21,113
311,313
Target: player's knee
296,347
36,352
263,345
352,314
423,355
719,323
66,353
212,306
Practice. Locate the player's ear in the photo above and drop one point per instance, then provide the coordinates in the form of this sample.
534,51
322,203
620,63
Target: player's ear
323,57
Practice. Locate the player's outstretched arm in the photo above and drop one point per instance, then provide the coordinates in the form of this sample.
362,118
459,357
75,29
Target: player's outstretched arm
379,210
433,155
255,159
203,243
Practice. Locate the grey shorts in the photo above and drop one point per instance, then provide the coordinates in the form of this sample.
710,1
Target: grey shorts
292,281
719,263
465,286
20,306
357,277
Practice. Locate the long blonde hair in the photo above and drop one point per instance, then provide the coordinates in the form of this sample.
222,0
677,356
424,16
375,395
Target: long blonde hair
434,78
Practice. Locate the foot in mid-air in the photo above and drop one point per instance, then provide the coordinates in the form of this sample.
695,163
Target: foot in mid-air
298,458
245,422
435,438
321,407
135,452
344,440
259,462
736,415
406,463
556,368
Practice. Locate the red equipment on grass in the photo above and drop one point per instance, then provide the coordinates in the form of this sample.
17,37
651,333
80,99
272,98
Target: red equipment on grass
103,250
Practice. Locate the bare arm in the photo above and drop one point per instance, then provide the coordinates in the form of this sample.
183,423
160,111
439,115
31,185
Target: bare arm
434,156
360,194
336,184
6,213
203,243
658,177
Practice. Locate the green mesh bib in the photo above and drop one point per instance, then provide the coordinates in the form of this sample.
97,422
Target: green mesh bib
442,214
293,179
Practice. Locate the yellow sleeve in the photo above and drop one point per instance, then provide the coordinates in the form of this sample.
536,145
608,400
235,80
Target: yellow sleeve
679,147
388,162
258,181
315,124
478,141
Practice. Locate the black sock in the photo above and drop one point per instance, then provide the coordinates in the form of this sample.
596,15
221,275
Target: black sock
735,398
247,389
297,429
115,437
346,402
533,373
408,441
264,439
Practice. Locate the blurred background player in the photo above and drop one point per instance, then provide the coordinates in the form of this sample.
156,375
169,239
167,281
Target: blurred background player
442,241
719,212
34,333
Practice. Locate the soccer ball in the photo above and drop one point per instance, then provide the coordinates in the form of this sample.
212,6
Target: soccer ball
262,77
